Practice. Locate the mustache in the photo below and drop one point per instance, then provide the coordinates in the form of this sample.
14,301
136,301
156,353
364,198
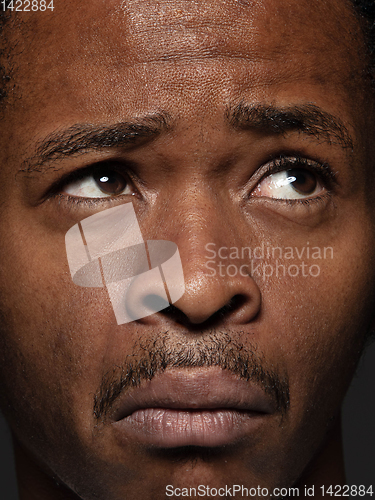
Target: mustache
153,356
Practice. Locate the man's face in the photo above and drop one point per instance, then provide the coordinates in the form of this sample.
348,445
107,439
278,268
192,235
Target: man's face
227,125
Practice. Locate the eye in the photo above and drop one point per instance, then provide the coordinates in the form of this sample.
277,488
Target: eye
101,183
298,182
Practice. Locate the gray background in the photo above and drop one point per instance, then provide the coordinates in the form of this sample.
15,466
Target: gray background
358,423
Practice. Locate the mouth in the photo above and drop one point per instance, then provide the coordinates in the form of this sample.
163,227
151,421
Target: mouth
206,407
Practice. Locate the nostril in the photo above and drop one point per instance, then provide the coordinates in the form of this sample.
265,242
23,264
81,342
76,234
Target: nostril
175,314
210,301
179,317
236,303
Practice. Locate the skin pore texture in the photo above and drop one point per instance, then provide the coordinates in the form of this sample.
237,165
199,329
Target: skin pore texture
217,98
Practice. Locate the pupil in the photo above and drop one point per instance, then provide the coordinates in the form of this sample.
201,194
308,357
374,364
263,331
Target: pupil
303,181
110,183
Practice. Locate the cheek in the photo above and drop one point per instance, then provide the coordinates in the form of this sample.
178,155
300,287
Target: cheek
319,324
53,358
54,339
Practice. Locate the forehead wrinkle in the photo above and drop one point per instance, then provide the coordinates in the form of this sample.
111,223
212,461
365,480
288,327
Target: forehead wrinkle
95,78
143,30
116,40
162,29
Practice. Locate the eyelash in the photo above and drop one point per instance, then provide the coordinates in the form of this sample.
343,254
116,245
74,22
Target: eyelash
78,201
282,163
322,170
55,190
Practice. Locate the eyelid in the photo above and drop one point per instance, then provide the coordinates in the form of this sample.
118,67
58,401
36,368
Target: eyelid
326,176
287,162
90,170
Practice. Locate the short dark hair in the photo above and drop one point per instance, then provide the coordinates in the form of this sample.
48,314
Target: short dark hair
365,10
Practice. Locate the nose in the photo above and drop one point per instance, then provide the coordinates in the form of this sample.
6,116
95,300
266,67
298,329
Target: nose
218,297
214,295
218,289
207,297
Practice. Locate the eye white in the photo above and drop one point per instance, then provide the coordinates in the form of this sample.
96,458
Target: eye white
281,185
87,187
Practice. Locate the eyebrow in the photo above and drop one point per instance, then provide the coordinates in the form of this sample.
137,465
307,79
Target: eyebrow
81,138
307,119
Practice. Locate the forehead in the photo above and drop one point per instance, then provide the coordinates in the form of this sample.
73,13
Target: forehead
119,58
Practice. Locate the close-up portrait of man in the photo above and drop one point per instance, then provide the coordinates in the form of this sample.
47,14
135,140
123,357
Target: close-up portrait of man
187,244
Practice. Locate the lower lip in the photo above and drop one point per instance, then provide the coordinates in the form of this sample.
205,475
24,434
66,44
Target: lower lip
168,428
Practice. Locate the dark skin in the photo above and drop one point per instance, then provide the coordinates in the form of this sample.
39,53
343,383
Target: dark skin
196,181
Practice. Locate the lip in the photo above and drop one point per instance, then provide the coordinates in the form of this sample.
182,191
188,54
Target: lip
191,407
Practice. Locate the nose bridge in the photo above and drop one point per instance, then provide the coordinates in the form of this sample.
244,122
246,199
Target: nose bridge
203,224
200,220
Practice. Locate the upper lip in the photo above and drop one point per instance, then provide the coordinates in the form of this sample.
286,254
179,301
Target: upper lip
195,389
